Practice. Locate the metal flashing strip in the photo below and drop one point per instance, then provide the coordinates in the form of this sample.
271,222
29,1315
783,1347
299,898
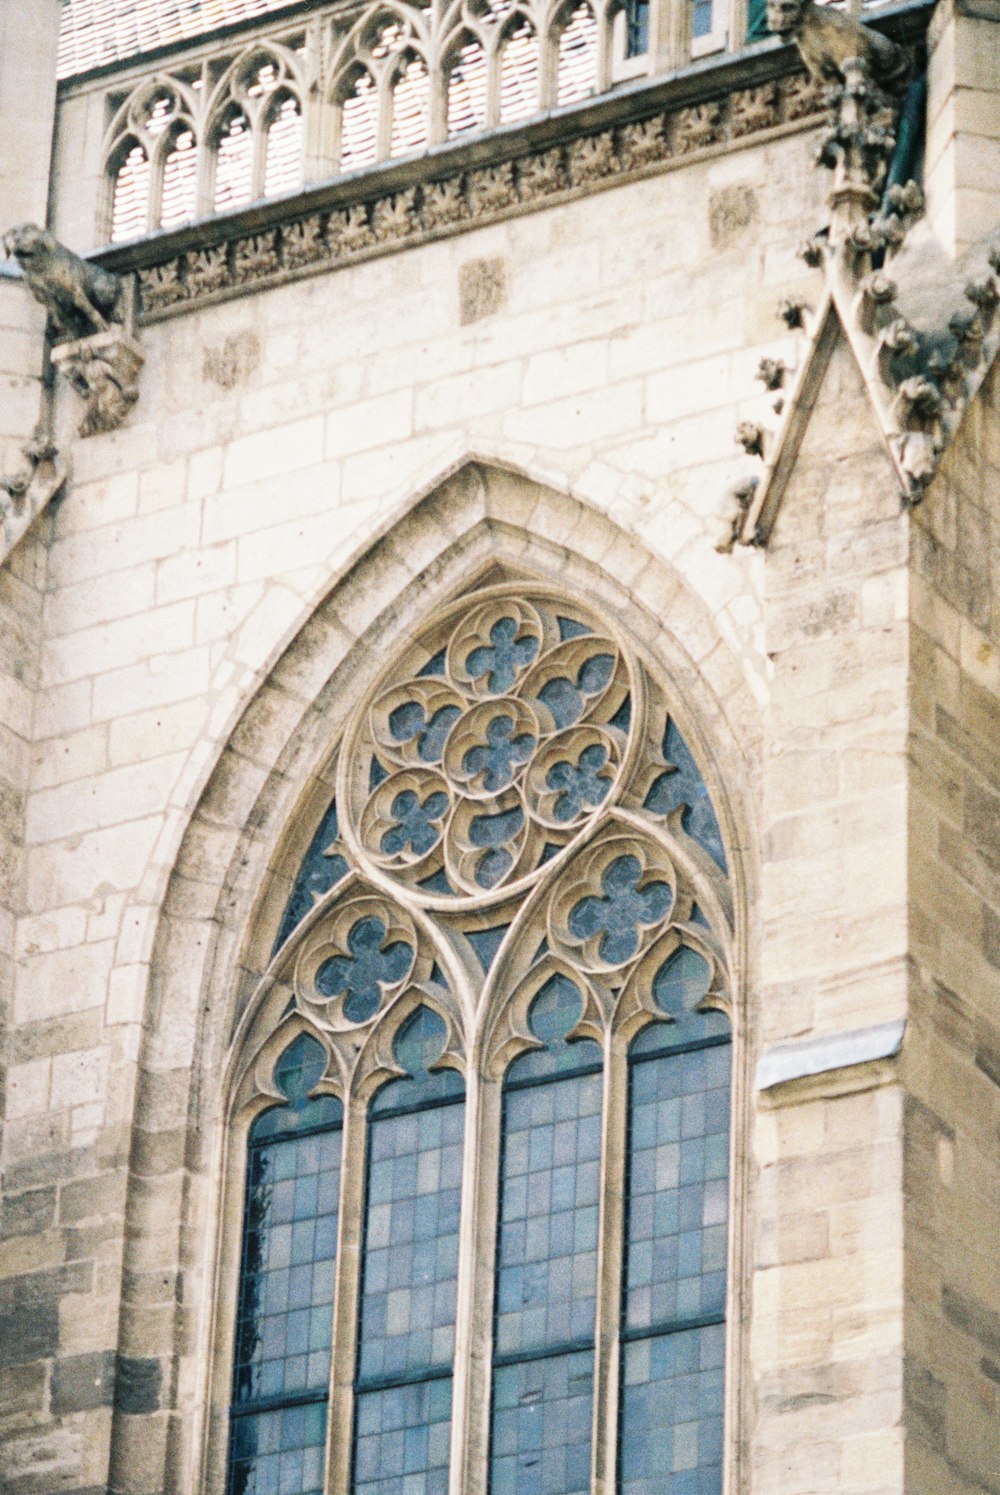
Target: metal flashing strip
829,1054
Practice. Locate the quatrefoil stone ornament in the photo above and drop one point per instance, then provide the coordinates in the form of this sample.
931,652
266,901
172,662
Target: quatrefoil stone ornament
501,733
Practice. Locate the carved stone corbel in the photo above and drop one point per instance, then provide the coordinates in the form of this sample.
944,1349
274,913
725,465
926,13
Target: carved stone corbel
31,486
104,371
91,324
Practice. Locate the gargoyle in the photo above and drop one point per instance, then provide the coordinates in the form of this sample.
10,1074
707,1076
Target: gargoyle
827,39
80,298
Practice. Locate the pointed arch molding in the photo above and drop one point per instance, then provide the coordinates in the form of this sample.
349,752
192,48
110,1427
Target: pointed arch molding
218,902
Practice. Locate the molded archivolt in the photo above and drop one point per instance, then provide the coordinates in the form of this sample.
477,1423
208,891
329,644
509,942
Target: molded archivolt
481,529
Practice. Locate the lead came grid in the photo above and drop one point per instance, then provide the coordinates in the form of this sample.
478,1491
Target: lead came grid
541,1426
411,1243
286,1302
280,1453
402,1419
678,1187
671,1436
546,1274
547,1263
402,1439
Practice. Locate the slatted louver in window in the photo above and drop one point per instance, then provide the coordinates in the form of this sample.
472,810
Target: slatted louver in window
233,163
467,88
130,196
409,107
283,159
359,124
577,69
180,177
519,73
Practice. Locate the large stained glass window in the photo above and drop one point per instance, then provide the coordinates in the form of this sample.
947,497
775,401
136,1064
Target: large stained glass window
512,924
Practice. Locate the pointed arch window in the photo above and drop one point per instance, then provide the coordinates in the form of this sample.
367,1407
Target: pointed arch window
504,970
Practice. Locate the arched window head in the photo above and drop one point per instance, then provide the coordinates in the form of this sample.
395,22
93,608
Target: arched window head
511,930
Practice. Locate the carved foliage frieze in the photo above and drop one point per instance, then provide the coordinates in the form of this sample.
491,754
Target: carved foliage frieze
380,223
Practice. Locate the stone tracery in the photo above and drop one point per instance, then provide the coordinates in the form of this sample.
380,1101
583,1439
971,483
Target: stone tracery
502,836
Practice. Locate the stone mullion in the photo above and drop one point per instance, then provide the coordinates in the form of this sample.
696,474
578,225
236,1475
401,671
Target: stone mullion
470,1428
347,1295
610,1265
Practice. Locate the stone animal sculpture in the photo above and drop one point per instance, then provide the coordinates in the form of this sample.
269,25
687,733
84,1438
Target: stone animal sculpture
827,39
80,298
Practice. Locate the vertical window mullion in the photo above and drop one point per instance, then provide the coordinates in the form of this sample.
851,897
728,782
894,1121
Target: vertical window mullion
474,1327
346,1302
610,1268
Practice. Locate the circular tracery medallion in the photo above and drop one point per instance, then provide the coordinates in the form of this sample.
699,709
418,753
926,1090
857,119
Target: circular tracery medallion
499,735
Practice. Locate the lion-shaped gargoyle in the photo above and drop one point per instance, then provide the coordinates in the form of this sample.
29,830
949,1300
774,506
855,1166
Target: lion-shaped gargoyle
827,39
80,298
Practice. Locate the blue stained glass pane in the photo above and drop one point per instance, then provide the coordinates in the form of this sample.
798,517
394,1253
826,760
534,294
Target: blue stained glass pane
504,658
401,1440
419,1044
570,628
486,943
547,1249
671,1428
629,903
411,1243
683,784
555,1010
540,1437
285,1312
318,873
298,1071
678,986
371,965
279,1453
678,1187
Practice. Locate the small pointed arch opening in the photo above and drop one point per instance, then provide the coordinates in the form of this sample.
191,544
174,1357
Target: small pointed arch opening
577,57
178,189
519,71
283,138
129,180
410,104
359,111
233,152
467,86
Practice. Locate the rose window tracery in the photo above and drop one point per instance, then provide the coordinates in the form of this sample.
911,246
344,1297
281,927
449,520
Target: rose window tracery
511,923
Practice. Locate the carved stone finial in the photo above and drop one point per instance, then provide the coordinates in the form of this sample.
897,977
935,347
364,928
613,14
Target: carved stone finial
771,372
738,502
80,298
793,311
750,436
